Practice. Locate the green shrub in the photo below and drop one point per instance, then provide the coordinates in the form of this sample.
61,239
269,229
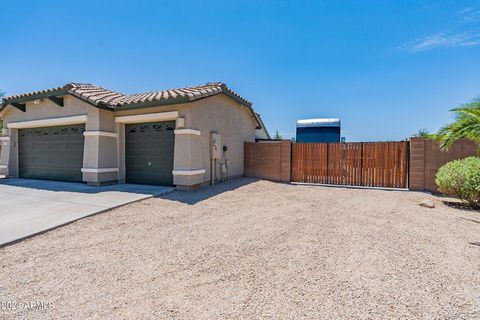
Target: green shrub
461,178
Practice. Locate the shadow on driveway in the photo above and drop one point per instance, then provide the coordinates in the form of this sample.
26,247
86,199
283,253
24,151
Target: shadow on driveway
193,197
61,186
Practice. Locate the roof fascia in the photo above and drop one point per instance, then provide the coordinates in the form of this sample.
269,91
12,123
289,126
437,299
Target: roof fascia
234,97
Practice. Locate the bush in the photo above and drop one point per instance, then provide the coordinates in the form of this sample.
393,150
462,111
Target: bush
461,178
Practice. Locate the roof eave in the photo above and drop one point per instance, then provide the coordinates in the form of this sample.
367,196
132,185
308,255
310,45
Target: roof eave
235,97
32,97
42,95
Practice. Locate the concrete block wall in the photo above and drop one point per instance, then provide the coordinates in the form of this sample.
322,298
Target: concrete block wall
269,160
417,164
426,158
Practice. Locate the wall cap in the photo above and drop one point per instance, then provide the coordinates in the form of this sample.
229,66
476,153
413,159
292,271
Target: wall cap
100,133
187,172
99,170
187,131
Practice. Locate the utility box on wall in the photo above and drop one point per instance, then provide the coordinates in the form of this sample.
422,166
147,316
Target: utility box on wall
215,145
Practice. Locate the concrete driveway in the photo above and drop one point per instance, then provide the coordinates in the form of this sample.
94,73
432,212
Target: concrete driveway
28,207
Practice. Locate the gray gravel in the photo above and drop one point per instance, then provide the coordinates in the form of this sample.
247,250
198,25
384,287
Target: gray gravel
251,250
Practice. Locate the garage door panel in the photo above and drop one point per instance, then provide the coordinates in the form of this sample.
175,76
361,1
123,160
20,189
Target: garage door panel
39,146
54,153
149,151
74,149
59,163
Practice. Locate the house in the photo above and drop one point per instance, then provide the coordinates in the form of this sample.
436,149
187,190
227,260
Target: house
83,132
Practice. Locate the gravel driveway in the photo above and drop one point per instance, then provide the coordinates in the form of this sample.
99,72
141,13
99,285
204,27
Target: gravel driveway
252,249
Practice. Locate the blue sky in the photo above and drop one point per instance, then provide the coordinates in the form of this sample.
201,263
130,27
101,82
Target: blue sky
386,68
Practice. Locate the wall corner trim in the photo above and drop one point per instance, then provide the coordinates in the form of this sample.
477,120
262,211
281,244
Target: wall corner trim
50,122
99,170
183,172
100,133
187,131
148,117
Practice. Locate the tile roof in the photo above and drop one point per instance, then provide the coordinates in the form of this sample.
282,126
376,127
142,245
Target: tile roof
102,97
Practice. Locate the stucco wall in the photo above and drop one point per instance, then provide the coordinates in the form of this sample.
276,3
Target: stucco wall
232,121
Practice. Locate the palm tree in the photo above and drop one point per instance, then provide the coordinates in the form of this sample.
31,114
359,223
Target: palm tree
466,125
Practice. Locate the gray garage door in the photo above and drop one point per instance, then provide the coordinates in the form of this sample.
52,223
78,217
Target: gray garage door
54,153
149,153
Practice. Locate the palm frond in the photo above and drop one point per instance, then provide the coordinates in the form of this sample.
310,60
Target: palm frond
466,125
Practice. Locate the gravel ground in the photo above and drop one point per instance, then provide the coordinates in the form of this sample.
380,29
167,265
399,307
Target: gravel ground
252,249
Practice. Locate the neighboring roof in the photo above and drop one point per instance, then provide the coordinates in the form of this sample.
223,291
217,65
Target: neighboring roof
257,115
319,122
101,97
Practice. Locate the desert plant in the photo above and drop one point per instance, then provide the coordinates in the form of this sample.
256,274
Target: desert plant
466,125
461,178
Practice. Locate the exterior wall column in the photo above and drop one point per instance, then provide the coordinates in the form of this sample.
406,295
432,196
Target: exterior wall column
100,163
100,160
417,164
5,146
188,172
9,154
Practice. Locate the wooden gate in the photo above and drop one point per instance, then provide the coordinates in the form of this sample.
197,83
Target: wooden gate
373,164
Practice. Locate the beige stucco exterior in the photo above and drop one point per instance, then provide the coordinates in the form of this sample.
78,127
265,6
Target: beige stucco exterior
104,148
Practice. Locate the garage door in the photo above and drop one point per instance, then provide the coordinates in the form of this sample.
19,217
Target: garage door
149,153
54,153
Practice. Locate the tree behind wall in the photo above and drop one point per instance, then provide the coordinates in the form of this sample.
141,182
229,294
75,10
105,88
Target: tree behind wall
466,125
277,136
424,133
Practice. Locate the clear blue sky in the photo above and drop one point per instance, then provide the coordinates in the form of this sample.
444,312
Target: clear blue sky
386,68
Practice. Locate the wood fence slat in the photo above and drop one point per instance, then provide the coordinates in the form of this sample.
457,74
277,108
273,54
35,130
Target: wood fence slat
398,156
388,165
